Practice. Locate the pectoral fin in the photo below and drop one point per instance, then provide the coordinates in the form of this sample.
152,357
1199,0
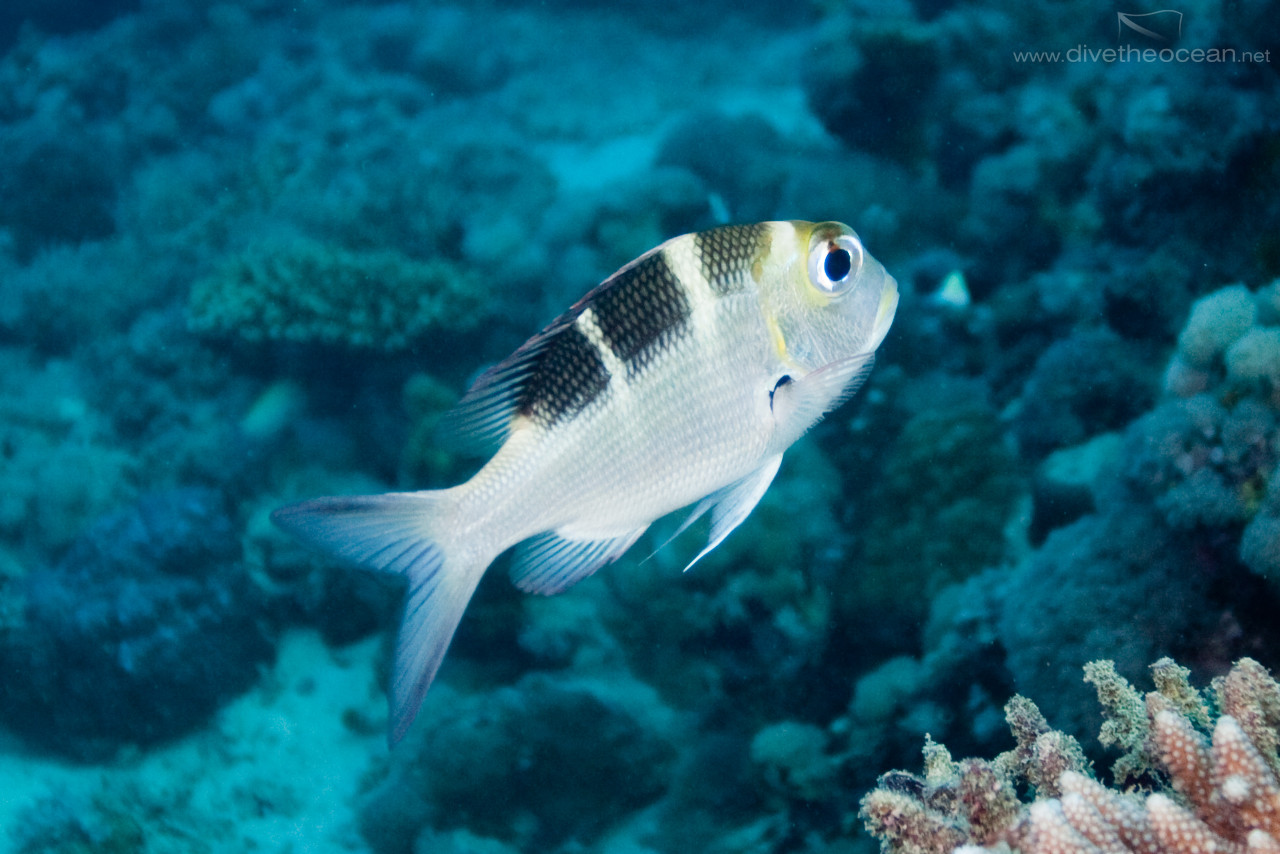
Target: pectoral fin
800,402
732,504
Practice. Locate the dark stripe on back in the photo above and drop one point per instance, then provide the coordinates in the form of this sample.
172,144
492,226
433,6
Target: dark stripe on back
727,255
639,309
567,375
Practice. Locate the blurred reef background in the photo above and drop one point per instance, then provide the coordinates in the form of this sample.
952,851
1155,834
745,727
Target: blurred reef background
251,252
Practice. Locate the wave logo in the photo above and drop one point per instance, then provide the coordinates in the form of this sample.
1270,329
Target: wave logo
1164,26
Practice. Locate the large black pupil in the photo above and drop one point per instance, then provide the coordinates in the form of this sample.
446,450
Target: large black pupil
837,264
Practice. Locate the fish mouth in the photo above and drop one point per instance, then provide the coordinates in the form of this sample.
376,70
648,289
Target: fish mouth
885,311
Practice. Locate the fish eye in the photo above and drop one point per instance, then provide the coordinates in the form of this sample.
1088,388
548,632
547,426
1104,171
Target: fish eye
835,258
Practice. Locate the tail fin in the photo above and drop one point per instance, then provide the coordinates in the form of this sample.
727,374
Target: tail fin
401,532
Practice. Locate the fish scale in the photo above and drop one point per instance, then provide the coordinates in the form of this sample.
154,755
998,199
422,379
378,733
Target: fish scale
678,381
725,255
569,375
639,310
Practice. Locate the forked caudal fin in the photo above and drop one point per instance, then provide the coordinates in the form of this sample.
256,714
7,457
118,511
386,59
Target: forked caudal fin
401,532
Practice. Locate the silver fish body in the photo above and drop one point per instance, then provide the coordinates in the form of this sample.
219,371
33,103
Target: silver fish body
682,378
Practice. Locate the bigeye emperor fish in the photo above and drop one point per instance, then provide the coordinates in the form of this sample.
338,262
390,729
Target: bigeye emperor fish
680,380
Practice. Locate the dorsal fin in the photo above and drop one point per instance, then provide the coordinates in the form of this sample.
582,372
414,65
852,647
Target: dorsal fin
482,419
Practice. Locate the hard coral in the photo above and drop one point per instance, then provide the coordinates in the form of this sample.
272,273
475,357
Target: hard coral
1200,462
536,764
1082,385
875,65
1215,792
1206,457
143,629
1119,584
1260,543
302,290
949,488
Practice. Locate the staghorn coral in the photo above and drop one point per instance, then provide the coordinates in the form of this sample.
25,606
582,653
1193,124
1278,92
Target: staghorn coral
1202,777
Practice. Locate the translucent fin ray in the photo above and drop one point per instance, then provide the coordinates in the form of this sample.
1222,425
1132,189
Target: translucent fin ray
397,533
732,504
550,562
801,403
481,421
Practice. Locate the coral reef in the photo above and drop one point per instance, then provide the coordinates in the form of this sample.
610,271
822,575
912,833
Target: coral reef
1118,584
251,251
1260,542
50,435
55,191
734,157
1207,456
940,509
71,825
139,633
59,16
1160,553
1208,766
953,691
754,620
1202,463
892,67
500,764
302,290
1082,385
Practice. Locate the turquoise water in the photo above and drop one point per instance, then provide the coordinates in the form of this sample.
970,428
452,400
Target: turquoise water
251,252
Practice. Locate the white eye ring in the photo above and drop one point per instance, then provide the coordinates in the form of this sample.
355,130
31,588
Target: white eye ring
835,258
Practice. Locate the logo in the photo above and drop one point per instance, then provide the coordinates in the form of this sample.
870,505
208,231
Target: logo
1147,37
1164,26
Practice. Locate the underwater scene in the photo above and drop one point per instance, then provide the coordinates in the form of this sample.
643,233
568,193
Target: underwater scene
1020,593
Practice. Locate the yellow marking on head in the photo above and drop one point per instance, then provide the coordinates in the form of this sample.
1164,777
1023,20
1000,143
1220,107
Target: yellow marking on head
776,336
884,312
762,252
801,232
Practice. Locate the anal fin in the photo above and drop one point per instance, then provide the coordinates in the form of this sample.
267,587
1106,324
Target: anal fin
552,562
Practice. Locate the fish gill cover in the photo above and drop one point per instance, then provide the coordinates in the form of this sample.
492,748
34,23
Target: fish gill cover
1075,460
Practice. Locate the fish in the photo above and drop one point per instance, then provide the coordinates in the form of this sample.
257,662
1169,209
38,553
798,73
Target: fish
678,382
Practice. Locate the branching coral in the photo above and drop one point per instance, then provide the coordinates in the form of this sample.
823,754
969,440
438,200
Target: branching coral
1203,777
